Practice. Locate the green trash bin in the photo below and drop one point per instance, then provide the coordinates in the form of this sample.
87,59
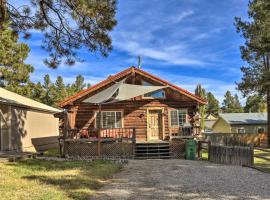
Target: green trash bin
190,149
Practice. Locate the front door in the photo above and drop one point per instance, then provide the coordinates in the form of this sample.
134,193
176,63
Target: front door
154,124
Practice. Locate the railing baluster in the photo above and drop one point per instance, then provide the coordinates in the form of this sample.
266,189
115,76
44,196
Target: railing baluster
116,133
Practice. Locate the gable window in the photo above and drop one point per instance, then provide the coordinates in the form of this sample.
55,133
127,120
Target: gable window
178,117
111,119
260,130
156,94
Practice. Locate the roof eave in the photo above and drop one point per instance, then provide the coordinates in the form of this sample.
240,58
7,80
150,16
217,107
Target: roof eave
70,100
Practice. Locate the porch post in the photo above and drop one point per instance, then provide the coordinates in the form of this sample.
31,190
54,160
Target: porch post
65,123
99,130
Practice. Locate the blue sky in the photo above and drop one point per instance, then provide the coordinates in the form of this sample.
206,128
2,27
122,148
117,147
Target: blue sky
183,41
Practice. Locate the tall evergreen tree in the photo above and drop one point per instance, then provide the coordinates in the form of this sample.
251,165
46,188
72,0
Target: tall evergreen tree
67,25
255,103
237,105
60,90
231,104
200,91
47,96
14,72
79,84
213,104
37,92
256,52
228,103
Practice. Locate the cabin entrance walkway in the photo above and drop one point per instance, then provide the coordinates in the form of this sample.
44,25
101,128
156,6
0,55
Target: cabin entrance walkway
183,179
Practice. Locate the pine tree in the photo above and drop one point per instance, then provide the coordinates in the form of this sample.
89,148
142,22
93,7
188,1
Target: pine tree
213,104
200,91
14,72
37,92
48,93
79,84
256,52
67,25
60,90
231,104
255,103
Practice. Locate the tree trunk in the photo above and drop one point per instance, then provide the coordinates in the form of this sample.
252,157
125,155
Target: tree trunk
268,118
3,11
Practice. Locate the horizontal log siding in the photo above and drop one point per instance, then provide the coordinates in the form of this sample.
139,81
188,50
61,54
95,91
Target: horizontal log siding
135,113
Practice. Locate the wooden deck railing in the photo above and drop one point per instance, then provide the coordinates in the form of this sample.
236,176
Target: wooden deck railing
107,133
182,132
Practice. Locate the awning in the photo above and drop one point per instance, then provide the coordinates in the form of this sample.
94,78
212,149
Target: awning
121,91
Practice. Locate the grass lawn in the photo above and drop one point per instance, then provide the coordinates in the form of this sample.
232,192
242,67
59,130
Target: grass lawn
42,180
261,158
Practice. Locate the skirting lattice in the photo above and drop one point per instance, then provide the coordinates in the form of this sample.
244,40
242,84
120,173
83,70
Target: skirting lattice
178,148
90,149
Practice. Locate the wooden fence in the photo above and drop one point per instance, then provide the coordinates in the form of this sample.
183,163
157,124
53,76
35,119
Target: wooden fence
232,155
236,139
45,143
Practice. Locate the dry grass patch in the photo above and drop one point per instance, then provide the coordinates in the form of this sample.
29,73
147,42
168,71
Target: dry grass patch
38,179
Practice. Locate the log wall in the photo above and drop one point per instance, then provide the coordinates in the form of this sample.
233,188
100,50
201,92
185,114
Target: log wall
134,111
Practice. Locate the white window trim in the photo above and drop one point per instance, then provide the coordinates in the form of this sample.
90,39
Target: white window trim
122,117
241,128
182,109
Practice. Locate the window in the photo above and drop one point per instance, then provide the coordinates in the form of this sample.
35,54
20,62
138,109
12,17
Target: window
111,119
260,130
155,94
208,130
241,130
233,130
178,117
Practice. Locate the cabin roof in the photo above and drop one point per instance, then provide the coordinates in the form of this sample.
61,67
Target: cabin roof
244,118
11,98
123,73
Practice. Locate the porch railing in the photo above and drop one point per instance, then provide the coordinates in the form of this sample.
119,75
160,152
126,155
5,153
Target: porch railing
182,132
105,133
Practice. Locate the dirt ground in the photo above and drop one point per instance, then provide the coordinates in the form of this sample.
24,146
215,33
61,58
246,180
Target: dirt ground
182,179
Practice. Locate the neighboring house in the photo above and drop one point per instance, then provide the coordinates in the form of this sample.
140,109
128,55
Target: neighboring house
241,123
155,115
210,120
23,120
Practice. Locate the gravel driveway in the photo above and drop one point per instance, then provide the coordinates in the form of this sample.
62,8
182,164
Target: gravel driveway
182,179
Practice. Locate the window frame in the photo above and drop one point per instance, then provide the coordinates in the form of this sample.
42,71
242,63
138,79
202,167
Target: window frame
115,111
241,128
145,83
261,127
151,97
178,109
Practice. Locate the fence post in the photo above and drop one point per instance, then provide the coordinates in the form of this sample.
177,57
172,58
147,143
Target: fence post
199,149
209,150
134,141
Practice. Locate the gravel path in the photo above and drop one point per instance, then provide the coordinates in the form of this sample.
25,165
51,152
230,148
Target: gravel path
182,179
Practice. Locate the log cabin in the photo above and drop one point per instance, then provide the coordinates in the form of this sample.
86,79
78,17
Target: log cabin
155,115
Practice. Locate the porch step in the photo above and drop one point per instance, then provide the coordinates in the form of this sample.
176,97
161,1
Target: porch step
152,151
